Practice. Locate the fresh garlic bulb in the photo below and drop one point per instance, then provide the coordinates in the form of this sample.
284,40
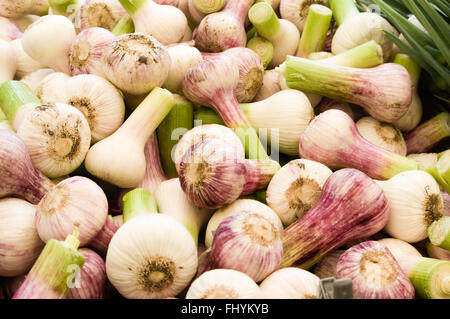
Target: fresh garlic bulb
51,87
223,284
270,85
424,159
24,63
413,115
99,13
236,207
295,188
247,242
34,79
57,137
327,266
328,104
151,256
100,102
296,11
415,201
202,132
291,283
182,58
7,61
136,63
20,242
381,134
86,51
75,203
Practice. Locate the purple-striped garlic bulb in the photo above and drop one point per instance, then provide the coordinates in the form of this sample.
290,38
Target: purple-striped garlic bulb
91,280
101,241
333,139
99,13
327,266
21,179
75,203
374,272
247,242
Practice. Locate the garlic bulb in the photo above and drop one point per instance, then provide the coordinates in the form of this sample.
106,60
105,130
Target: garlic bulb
92,278
34,79
7,61
295,188
291,283
284,116
24,64
9,30
54,29
182,58
296,11
24,21
86,51
247,242
415,201
101,241
51,87
165,23
270,85
327,266
328,104
381,134
57,137
223,284
75,203
361,28
202,132
12,9
236,207
20,242
136,63
99,13
151,256
100,102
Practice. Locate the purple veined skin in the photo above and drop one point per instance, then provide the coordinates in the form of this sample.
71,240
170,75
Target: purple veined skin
18,176
351,206
101,241
374,272
332,139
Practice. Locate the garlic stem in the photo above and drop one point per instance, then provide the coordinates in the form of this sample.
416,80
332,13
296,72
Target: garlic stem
263,47
209,6
125,25
137,202
175,124
366,55
63,7
315,31
412,67
438,253
343,10
358,86
54,271
205,115
264,19
439,232
154,173
428,134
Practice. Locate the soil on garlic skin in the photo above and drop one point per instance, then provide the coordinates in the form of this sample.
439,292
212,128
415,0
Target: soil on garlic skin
388,133
156,274
260,230
55,200
302,195
433,207
377,268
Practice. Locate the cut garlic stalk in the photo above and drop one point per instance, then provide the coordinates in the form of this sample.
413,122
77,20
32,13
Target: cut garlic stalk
236,207
21,244
249,243
381,134
223,284
151,256
295,188
415,201
291,283
75,203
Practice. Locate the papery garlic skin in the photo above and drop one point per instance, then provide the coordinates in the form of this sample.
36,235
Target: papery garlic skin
9,30
99,13
57,137
86,51
101,241
151,256
92,278
361,28
415,201
247,242
54,29
327,266
223,284
52,87
202,132
381,134
100,102
7,61
413,115
17,8
34,79
291,283
329,104
24,63
295,188
269,87
75,203
374,272
236,207
20,242
182,58
296,11
136,63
